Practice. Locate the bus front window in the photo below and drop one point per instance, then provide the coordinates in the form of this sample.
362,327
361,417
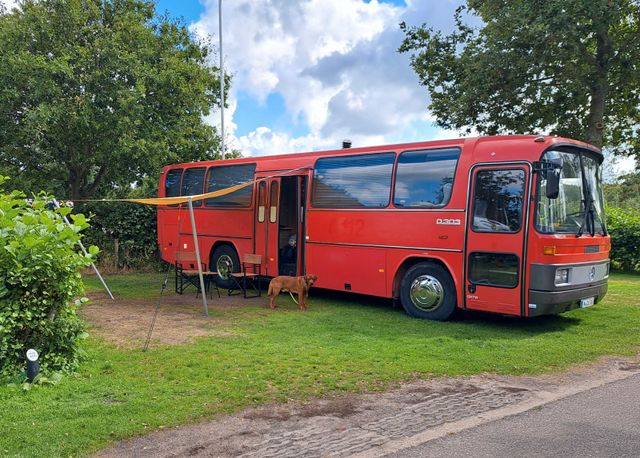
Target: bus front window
579,205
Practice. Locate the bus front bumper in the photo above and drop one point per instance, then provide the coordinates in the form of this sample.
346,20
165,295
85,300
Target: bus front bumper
552,302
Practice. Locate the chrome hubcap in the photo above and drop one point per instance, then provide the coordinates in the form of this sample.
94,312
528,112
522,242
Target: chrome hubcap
427,293
224,266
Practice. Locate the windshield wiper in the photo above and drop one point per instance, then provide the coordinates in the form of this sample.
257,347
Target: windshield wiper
588,219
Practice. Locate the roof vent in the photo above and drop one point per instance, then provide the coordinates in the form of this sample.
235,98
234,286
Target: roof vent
346,144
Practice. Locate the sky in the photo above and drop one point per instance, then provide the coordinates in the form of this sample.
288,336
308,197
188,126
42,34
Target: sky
307,74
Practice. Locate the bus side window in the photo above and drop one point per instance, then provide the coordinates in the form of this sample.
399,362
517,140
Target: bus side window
262,194
192,183
172,184
424,178
359,181
221,177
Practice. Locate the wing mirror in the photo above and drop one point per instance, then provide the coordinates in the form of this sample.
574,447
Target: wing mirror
552,174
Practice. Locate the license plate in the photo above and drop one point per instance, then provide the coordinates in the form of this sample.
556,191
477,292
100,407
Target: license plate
588,302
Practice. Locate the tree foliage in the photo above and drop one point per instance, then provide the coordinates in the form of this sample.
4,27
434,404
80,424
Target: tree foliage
566,67
625,192
39,282
98,94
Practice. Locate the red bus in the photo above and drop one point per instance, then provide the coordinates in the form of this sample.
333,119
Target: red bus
507,224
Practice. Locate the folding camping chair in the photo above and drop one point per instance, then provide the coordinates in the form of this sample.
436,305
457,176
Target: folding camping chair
187,273
250,275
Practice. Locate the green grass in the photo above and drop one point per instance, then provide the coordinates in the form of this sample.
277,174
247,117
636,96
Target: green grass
130,286
339,345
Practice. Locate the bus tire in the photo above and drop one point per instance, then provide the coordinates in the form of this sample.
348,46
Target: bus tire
427,291
224,261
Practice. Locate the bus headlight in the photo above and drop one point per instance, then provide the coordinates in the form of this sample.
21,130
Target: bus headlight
562,276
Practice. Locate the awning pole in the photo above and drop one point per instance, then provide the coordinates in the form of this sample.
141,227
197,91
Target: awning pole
195,242
55,202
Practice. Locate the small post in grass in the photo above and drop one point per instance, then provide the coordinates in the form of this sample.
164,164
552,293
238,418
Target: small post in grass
33,365
195,242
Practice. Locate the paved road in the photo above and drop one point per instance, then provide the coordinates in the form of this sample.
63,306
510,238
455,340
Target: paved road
602,422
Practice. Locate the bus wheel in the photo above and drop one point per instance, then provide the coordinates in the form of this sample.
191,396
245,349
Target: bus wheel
427,291
225,261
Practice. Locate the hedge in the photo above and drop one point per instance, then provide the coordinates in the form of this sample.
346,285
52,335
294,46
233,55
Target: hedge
40,283
624,227
126,234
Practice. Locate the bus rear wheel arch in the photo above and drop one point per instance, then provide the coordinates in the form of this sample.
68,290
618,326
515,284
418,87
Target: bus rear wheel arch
224,260
427,291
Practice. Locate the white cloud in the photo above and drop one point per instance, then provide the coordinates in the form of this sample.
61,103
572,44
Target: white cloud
264,141
334,62
9,4
625,165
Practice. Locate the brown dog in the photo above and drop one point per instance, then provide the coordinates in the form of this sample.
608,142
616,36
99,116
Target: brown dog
299,285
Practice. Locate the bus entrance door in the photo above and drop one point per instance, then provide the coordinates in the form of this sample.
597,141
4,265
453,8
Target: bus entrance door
291,217
495,238
266,227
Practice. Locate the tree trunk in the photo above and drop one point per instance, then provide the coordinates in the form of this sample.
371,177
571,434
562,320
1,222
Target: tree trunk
75,183
595,123
116,252
599,89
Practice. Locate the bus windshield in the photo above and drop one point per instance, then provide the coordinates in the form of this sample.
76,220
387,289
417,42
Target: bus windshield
579,207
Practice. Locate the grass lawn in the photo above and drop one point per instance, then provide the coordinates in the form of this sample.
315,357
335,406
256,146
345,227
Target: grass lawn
339,345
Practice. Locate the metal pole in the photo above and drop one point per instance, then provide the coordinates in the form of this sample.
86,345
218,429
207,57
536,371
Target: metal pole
221,78
57,204
195,242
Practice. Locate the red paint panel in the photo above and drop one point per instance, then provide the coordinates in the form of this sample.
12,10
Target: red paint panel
233,226
336,266
427,229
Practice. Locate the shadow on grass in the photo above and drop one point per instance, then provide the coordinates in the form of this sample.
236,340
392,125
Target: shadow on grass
541,324
367,316
472,322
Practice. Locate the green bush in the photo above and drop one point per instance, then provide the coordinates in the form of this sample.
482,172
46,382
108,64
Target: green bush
39,283
126,234
624,227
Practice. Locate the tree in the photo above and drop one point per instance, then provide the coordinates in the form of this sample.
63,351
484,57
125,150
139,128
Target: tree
568,67
98,94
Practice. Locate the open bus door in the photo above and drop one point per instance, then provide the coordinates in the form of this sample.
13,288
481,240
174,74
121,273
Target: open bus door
496,233
279,220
